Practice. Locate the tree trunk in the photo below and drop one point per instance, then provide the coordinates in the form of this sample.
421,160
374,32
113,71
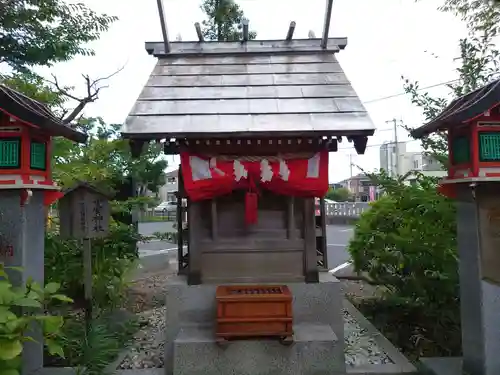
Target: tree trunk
218,21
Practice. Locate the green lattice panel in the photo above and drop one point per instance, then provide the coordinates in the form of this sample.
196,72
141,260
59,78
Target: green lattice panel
489,146
9,153
461,150
38,155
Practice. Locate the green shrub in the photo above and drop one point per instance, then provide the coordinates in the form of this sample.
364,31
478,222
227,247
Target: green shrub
91,352
32,299
407,242
113,258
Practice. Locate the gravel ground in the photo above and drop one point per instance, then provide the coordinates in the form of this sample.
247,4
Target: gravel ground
147,352
147,296
359,348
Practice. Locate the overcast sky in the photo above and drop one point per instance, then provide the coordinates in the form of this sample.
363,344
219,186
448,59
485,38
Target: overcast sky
386,39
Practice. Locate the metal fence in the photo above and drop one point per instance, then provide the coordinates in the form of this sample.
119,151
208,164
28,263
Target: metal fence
152,215
334,212
346,209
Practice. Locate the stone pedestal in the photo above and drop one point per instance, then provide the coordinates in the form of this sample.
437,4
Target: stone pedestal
23,228
480,299
318,349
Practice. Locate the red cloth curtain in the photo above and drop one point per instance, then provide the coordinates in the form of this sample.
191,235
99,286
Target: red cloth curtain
206,178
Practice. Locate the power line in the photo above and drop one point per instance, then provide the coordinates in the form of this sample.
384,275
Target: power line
404,93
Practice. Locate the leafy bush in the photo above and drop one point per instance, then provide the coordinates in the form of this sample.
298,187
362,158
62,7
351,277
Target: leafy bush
407,242
92,352
32,298
112,259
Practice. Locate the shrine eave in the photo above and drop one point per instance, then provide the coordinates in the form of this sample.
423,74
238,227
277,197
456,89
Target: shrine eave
232,127
463,109
32,112
250,47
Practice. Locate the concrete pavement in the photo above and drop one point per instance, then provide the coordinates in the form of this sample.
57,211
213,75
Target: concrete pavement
337,238
157,252
147,229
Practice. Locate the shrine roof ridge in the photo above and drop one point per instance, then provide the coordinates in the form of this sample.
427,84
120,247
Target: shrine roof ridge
31,111
249,47
463,109
86,185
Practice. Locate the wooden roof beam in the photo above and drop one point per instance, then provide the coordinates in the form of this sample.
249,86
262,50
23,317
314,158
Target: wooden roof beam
164,31
326,25
245,22
291,29
198,32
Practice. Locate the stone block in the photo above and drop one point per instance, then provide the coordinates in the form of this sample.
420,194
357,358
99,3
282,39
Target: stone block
442,366
195,305
316,351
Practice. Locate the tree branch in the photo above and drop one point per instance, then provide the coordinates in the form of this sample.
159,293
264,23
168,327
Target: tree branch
93,87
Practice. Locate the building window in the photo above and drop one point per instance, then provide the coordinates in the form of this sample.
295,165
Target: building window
38,156
10,153
415,164
171,180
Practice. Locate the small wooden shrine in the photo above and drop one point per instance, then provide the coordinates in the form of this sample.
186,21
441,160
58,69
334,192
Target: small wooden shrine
473,126
253,122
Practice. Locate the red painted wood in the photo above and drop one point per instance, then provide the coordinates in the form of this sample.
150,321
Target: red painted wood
27,134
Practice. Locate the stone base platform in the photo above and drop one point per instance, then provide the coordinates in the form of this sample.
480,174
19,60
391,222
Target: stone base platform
190,346
442,366
315,351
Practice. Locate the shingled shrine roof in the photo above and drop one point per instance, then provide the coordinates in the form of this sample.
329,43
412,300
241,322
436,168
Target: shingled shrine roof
252,88
463,109
25,109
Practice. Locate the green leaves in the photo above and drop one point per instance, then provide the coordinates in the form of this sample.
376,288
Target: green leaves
223,20
10,349
9,371
112,258
52,288
338,195
407,242
27,302
62,298
51,324
54,348
43,33
19,308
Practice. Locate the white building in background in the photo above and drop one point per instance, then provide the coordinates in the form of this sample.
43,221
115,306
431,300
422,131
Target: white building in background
167,193
396,160
389,153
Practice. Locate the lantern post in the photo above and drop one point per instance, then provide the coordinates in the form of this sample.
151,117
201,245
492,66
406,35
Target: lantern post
473,126
27,128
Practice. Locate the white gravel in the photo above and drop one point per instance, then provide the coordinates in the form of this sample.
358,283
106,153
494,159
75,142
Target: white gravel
148,348
360,349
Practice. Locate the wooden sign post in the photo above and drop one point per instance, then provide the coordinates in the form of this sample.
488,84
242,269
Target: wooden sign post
84,214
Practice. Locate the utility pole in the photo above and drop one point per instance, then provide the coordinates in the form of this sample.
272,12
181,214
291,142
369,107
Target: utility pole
350,165
396,145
